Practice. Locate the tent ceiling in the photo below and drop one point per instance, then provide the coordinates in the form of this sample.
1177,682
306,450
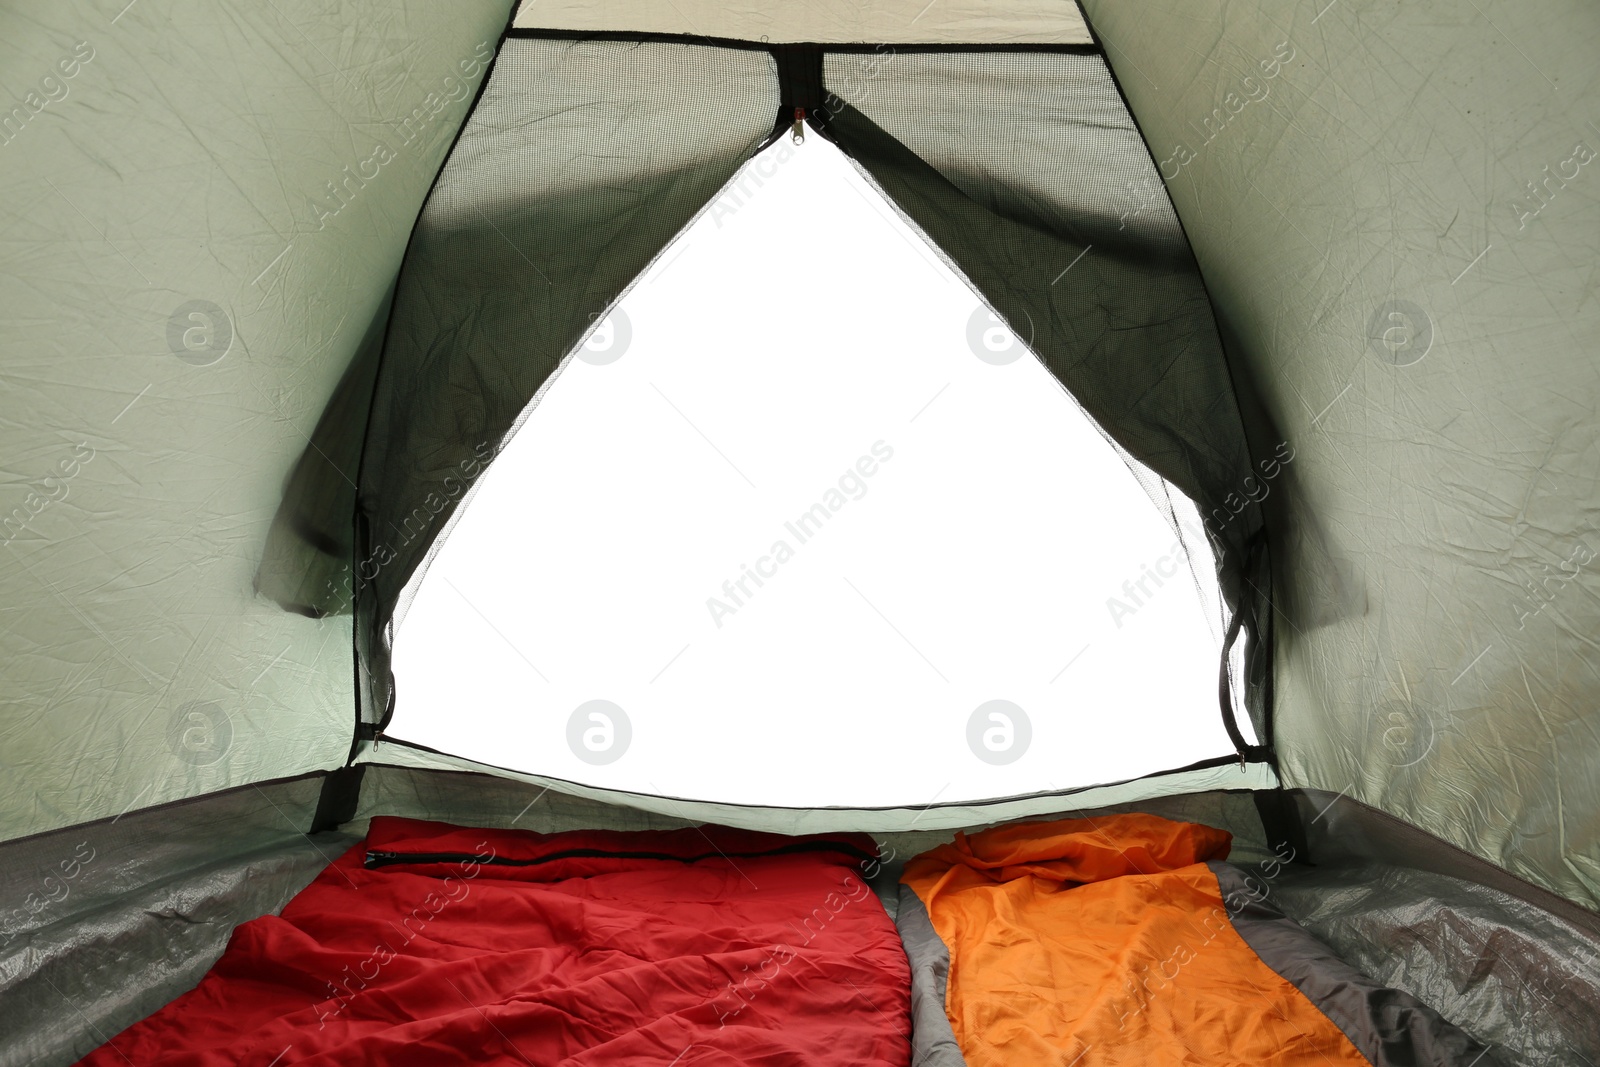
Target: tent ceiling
891,22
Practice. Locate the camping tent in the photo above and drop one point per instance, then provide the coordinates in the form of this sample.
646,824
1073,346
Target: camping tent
281,279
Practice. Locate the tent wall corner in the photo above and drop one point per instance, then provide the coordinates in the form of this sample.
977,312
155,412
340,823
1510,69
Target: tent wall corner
204,209
1390,207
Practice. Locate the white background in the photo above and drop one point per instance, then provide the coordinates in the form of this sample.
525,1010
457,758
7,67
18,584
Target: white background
795,325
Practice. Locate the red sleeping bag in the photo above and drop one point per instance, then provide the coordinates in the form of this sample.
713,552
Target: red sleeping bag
434,944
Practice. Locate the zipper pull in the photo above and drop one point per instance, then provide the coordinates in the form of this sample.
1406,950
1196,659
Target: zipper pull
798,134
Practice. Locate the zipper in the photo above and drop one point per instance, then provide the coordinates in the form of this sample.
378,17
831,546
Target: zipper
386,858
798,134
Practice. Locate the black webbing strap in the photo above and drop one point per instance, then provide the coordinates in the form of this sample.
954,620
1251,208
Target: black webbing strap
341,793
801,95
799,77
1280,818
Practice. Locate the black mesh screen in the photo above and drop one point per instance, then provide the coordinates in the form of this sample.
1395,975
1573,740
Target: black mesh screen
581,162
584,158
1027,172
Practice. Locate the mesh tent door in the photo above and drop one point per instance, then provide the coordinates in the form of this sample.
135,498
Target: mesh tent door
1026,169
819,511
585,157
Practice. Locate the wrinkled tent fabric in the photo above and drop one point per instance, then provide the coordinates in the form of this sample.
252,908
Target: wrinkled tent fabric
137,908
1221,773
957,22
1521,977
1400,245
200,224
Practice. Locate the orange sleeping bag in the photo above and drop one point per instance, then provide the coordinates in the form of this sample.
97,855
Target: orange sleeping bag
1125,940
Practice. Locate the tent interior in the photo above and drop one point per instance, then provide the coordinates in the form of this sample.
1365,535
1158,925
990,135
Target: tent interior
1193,407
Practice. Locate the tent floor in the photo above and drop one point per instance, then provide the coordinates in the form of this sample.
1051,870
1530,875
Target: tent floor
108,921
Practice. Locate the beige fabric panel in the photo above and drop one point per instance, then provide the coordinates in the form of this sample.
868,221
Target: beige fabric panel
202,206
1396,208
829,820
823,21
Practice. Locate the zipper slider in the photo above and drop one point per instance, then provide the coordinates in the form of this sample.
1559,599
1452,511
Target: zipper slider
798,134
